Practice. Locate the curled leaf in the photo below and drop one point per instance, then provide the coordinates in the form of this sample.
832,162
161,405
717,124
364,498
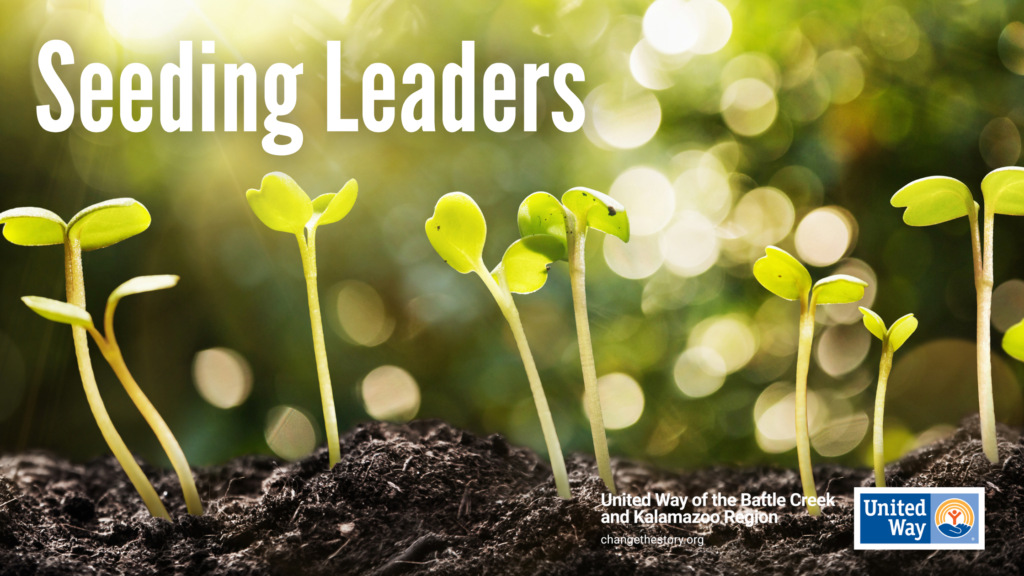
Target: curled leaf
934,200
58,311
599,211
330,208
839,289
457,230
280,203
32,227
542,213
900,330
526,263
782,274
110,222
1004,191
141,284
873,322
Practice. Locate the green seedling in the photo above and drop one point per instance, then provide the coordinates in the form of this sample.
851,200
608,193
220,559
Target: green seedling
784,276
283,206
568,222
892,338
457,230
938,199
1013,341
69,314
97,226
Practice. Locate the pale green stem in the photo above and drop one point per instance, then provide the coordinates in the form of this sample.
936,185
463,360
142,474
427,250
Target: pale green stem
879,440
112,352
503,297
577,277
76,296
323,373
803,363
985,404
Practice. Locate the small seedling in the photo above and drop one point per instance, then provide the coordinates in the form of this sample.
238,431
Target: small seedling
784,276
68,314
568,222
457,230
938,199
283,206
892,338
97,226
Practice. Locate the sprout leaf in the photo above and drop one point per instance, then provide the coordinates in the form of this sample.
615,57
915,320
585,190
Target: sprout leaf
58,311
281,204
901,330
782,274
839,289
1004,191
934,200
32,227
873,322
330,208
598,211
542,213
1013,341
110,222
526,262
457,230
142,284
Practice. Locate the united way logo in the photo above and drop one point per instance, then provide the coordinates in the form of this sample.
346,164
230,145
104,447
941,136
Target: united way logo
919,519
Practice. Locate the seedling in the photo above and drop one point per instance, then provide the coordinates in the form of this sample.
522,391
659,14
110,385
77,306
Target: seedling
784,276
68,314
283,206
568,222
457,230
938,199
1013,341
97,226
892,338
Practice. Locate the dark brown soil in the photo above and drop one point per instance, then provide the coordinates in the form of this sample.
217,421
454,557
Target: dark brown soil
429,499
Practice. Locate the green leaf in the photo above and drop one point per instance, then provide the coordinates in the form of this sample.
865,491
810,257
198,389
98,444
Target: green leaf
839,289
141,284
1003,190
873,322
1013,341
280,203
901,330
457,230
330,208
599,211
527,261
58,311
782,274
32,227
542,213
110,222
934,200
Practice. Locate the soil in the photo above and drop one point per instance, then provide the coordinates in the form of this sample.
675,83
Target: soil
426,498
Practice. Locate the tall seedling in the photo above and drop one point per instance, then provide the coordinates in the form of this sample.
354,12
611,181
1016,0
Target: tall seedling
97,226
457,230
784,276
283,206
938,199
568,222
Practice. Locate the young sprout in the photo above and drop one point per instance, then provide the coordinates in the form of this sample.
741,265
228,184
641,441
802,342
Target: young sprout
938,199
784,276
67,314
457,230
568,222
97,226
892,338
283,206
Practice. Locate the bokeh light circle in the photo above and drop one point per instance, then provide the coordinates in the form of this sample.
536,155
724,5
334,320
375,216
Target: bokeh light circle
749,106
699,372
823,237
289,432
222,377
622,400
390,393
637,259
648,197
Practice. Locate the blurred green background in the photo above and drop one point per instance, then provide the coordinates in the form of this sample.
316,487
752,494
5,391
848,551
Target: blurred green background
723,127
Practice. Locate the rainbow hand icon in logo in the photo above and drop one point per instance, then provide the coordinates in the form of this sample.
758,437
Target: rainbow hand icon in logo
954,518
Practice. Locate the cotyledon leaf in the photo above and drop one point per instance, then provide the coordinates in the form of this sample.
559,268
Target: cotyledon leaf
873,322
782,274
1013,341
934,200
599,211
58,311
32,227
330,208
542,213
281,203
458,230
527,261
141,284
1004,191
838,289
110,222
900,330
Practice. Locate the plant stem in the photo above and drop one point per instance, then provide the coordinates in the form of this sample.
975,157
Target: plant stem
503,297
577,277
112,352
803,363
323,373
878,440
76,296
984,289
